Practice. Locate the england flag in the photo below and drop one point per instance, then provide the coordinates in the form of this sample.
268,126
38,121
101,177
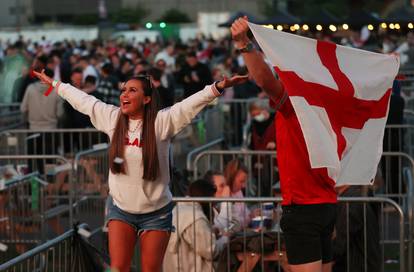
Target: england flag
341,97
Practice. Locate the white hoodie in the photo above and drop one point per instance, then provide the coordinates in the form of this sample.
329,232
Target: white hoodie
130,192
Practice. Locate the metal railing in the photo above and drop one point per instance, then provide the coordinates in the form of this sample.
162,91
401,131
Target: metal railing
257,246
56,171
239,244
58,254
90,189
49,142
10,116
200,149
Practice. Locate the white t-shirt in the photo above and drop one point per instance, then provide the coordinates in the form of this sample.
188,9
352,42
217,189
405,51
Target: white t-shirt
130,191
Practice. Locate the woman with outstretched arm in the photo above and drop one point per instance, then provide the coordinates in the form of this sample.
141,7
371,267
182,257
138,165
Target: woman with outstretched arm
140,200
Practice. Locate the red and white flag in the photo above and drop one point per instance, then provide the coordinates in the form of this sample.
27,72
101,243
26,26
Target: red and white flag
340,96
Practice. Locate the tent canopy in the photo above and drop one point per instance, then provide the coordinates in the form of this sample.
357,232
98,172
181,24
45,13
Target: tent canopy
323,17
403,15
361,18
237,15
281,18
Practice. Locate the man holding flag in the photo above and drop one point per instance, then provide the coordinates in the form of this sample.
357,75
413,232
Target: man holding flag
332,105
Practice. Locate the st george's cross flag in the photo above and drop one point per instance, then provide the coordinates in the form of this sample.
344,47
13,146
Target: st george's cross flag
340,96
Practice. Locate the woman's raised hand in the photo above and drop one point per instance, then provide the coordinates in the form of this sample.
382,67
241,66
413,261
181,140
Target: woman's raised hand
230,82
43,77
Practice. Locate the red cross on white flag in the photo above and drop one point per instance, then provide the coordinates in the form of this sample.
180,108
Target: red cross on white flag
340,96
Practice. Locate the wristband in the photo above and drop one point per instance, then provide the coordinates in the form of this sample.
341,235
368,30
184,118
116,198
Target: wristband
220,91
248,48
54,83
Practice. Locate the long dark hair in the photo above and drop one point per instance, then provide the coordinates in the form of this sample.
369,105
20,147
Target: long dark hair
149,144
203,188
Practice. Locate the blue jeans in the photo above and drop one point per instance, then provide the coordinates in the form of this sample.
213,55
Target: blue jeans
160,219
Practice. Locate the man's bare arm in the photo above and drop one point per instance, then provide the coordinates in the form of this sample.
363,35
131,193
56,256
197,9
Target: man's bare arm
254,61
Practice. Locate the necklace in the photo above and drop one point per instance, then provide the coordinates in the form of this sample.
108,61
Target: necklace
135,129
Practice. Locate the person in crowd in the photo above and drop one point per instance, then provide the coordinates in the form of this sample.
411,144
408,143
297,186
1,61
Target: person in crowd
243,91
194,74
167,55
54,64
357,233
224,220
21,84
236,175
87,68
262,128
406,51
309,208
167,78
73,118
89,86
42,112
262,137
140,204
108,85
126,70
194,246
166,95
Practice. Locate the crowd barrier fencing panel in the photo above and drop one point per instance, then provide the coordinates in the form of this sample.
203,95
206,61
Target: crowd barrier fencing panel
399,138
408,117
56,255
388,249
7,107
91,168
22,216
397,177
396,168
59,254
56,171
64,142
11,120
20,200
190,155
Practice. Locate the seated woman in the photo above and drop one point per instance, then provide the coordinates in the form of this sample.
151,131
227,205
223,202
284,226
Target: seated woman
224,221
236,174
193,246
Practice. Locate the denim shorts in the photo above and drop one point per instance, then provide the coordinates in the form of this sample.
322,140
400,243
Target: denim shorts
160,219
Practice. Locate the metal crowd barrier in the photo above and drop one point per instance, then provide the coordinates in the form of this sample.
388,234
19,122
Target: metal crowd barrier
259,247
7,107
91,169
49,142
59,254
408,117
190,156
265,257
10,116
398,184
57,172
26,219
22,209
399,138
11,120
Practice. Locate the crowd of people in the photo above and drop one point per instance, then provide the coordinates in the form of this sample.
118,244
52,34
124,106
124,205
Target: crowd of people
175,71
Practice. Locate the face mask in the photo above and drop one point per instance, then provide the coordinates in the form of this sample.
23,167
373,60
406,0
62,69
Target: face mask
260,117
